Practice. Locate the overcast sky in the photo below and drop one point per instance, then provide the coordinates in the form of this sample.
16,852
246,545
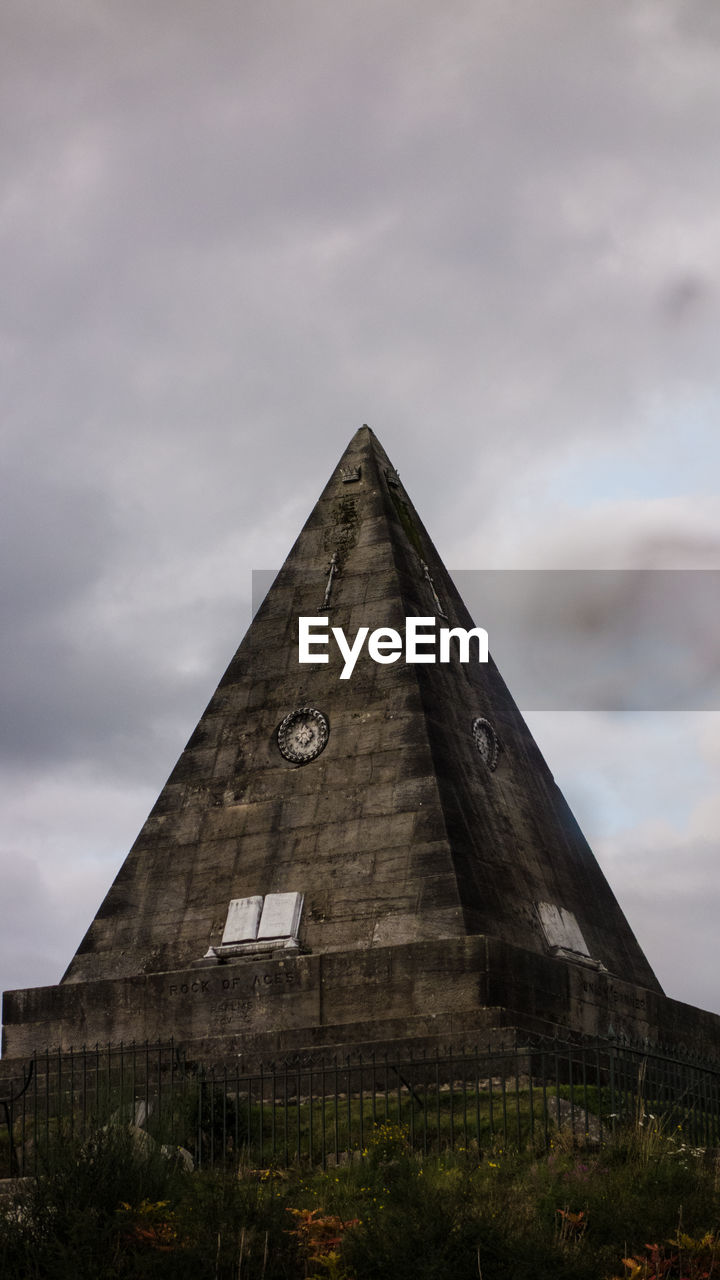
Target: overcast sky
231,233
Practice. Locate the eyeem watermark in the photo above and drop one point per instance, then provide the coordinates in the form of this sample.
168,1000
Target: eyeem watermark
386,645
591,639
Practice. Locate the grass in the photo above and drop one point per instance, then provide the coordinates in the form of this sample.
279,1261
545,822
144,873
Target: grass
112,1204
221,1126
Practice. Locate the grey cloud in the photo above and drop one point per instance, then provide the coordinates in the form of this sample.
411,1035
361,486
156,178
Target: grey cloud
58,542
675,912
232,233
619,640
684,297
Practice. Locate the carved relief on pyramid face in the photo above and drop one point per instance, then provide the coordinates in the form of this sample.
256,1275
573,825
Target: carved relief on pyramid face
303,735
486,741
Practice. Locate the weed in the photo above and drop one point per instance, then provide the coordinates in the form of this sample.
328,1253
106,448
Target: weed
112,1205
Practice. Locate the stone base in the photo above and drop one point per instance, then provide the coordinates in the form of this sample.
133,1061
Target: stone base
442,994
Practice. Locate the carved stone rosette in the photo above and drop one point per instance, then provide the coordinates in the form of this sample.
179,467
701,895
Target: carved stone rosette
302,735
486,741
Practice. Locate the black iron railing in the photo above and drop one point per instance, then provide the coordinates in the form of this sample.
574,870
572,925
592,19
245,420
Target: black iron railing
328,1112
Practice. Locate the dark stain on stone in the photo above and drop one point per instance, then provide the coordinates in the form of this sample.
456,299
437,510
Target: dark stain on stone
342,533
406,520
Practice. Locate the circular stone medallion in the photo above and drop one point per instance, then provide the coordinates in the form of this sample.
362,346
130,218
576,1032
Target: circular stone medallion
486,741
302,735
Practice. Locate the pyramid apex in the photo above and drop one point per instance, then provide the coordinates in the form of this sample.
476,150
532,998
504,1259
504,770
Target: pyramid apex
363,433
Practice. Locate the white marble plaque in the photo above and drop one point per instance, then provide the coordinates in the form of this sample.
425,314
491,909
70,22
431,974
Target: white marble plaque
561,928
280,915
242,921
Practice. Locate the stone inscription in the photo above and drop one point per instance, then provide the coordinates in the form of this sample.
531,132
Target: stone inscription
282,980
613,996
184,988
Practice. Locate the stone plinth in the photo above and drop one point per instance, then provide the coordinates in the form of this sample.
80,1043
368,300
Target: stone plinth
431,994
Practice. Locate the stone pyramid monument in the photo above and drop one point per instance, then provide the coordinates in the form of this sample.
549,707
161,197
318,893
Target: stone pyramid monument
371,861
